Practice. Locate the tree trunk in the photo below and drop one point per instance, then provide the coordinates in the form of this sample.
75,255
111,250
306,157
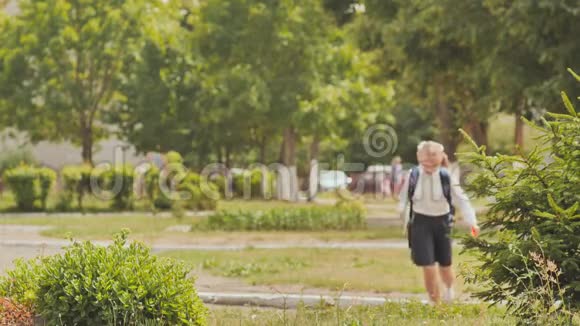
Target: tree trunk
288,187
228,156
87,144
313,170
519,130
479,133
220,154
315,148
445,122
263,150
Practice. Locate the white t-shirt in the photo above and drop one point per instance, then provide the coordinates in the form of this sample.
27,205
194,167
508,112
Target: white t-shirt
428,198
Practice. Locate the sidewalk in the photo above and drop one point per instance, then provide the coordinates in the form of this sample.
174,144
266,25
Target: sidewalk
58,244
293,300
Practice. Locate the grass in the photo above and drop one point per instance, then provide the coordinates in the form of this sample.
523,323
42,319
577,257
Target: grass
332,269
152,228
93,228
389,314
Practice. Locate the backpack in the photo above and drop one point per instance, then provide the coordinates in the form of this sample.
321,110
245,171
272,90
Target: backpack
445,184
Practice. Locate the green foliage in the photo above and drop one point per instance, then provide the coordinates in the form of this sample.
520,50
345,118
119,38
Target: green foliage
21,181
63,63
196,197
466,60
29,184
21,282
410,313
76,181
46,178
120,182
173,157
256,183
179,185
344,216
535,210
122,284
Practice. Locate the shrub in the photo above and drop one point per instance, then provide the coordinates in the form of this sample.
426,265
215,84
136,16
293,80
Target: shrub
76,181
173,157
152,182
162,202
120,181
30,184
257,187
177,179
21,181
346,216
199,200
116,285
535,209
220,181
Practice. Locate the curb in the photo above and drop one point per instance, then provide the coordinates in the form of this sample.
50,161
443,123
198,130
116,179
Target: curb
291,301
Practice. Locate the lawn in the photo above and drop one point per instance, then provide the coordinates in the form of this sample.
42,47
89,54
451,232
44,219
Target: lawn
154,228
333,269
389,314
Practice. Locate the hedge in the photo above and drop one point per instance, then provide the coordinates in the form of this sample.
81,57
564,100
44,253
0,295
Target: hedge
29,185
343,216
76,182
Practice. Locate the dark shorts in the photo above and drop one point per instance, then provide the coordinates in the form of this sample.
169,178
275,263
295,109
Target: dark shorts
430,240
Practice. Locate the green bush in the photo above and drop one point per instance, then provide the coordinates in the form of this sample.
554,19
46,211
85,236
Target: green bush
240,182
530,248
152,183
46,178
220,181
346,216
173,157
199,200
120,181
30,184
116,285
76,181
188,186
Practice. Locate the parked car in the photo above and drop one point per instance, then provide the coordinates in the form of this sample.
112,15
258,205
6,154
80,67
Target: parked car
376,180
333,179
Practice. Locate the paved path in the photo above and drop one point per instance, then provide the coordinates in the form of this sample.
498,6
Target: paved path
57,244
292,300
234,292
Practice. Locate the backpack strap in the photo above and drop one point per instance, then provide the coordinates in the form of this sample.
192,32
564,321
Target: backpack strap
413,179
446,185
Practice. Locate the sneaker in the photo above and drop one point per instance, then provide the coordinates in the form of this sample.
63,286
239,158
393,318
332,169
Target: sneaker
448,295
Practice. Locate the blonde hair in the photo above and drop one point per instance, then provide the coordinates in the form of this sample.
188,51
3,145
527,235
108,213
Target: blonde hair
430,146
